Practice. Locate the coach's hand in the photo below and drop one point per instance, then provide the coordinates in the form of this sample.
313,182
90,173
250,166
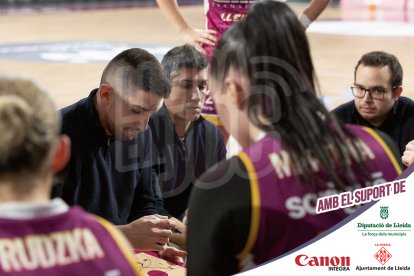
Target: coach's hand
147,233
408,156
173,254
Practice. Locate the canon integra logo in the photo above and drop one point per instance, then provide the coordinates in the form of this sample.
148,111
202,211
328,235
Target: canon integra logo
304,260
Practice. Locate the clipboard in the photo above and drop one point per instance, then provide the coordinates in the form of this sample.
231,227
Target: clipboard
153,266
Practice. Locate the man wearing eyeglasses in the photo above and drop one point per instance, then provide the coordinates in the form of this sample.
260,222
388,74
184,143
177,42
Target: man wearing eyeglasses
185,143
378,102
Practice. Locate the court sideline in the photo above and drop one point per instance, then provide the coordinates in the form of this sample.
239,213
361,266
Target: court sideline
334,55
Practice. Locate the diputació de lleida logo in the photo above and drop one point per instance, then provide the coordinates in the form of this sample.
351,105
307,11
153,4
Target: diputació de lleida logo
384,212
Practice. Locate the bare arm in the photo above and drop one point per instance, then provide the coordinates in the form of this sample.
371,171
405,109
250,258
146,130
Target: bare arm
312,12
170,10
315,8
189,35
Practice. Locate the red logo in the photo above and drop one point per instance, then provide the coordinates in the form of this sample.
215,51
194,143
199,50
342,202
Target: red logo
383,255
303,260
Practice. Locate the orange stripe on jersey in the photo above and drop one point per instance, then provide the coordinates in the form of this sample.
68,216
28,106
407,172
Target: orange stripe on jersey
391,156
255,197
214,119
116,236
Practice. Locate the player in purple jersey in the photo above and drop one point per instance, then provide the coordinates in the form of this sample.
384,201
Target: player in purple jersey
39,236
260,204
220,14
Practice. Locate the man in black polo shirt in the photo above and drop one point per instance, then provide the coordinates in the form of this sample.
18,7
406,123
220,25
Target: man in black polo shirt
184,143
110,172
378,102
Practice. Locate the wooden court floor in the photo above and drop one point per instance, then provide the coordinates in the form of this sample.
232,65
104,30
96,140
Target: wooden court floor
334,55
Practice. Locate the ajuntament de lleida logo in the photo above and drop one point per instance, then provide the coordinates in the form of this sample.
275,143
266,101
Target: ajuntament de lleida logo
384,212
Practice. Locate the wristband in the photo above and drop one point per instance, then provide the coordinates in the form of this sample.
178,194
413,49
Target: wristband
304,19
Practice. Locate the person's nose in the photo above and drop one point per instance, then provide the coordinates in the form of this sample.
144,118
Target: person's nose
145,122
142,123
196,95
367,97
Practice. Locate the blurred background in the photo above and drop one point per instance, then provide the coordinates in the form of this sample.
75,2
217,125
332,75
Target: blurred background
65,44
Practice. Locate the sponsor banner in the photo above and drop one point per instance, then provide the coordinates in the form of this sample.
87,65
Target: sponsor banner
376,241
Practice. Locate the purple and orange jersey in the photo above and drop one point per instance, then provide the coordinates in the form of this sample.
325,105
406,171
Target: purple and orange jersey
283,209
69,243
220,14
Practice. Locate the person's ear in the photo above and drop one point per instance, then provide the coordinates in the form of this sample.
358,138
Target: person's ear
106,93
62,153
397,92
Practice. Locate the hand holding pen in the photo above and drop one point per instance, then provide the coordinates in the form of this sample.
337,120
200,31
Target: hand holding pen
174,229
148,232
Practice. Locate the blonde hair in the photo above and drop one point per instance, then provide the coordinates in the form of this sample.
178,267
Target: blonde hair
29,124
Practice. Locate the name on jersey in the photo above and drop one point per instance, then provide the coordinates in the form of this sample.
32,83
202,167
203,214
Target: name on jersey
232,17
283,166
34,252
300,206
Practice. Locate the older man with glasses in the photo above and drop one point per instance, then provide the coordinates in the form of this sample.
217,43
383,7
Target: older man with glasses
378,103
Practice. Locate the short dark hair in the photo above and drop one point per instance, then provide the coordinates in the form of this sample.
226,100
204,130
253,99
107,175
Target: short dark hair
136,68
185,56
381,59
